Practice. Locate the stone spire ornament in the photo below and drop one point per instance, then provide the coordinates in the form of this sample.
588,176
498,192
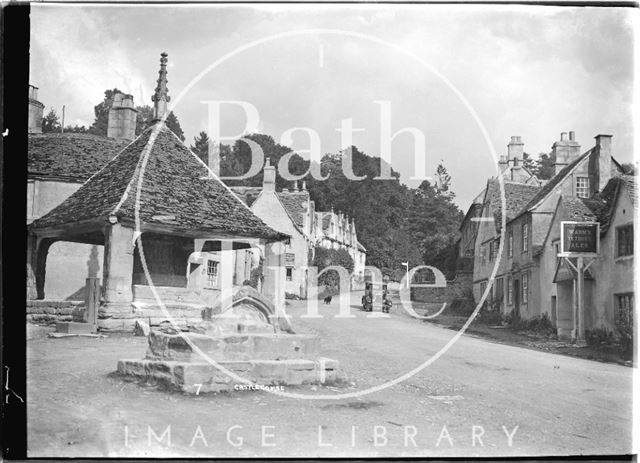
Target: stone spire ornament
161,96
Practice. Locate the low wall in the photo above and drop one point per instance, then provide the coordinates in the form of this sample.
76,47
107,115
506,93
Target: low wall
47,312
458,288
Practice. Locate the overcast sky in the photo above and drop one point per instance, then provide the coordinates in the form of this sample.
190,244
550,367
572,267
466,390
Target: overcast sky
525,70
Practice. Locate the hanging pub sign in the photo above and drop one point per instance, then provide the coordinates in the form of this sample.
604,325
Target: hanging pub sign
579,239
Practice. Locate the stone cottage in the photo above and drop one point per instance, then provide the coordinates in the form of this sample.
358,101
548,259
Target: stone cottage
158,214
526,282
57,165
292,211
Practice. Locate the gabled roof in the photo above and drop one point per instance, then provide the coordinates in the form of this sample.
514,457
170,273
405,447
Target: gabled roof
295,204
554,181
176,190
70,156
516,196
611,193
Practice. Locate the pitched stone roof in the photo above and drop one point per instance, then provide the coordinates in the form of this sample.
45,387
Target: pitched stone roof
69,156
555,181
295,203
516,196
611,193
583,210
176,191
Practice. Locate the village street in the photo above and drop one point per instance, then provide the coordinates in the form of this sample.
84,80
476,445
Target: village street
539,403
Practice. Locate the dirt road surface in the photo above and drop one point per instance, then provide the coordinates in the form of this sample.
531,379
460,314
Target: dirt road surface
479,399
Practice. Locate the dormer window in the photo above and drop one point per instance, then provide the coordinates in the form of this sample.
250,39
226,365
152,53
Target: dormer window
582,187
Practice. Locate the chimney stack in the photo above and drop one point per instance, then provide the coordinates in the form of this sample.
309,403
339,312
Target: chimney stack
122,118
269,177
161,96
35,111
566,150
515,150
602,161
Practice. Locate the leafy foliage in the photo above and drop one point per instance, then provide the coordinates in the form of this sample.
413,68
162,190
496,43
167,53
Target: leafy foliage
542,167
51,123
394,222
201,146
324,257
143,118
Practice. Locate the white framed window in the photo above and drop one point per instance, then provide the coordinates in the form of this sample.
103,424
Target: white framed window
525,237
289,273
525,287
212,273
509,291
510,244
483,288
582,187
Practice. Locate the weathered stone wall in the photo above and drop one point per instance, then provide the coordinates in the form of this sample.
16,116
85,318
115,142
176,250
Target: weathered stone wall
459,287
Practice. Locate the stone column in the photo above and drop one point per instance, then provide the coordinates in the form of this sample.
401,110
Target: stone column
32,252
273,285
118,265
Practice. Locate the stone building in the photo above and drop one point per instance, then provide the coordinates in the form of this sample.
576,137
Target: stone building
57,165
159,215
292,211
526,281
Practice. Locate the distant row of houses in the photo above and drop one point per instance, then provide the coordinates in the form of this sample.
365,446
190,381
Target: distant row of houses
531,280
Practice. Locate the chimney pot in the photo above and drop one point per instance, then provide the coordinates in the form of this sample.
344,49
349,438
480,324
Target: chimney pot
563,136
572,136
269,177
515,150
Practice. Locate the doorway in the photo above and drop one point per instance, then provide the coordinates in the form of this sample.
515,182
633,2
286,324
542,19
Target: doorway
516,297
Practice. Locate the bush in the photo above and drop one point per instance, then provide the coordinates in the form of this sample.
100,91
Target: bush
599,336
624,329
326,257
490,313
539,324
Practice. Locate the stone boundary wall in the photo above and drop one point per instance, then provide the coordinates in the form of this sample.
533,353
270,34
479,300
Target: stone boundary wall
47,312
459,287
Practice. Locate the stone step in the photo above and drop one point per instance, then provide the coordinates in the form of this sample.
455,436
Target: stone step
245,346
197,378
167,294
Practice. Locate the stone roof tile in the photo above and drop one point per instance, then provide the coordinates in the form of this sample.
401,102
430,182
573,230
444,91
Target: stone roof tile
175,190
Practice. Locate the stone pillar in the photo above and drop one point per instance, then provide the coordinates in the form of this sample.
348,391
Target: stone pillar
32,252
274,271
118,264
37,250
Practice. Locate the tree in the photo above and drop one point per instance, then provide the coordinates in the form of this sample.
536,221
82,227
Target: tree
76,129
324,257
174,125
51,123
101,111
443,181
201,146
143,118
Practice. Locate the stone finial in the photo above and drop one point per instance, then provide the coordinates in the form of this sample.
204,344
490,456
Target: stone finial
161,96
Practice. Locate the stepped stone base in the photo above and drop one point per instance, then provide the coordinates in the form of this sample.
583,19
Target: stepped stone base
75,328
204,377
173,360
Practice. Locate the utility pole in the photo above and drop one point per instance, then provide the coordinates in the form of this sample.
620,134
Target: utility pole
62,125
